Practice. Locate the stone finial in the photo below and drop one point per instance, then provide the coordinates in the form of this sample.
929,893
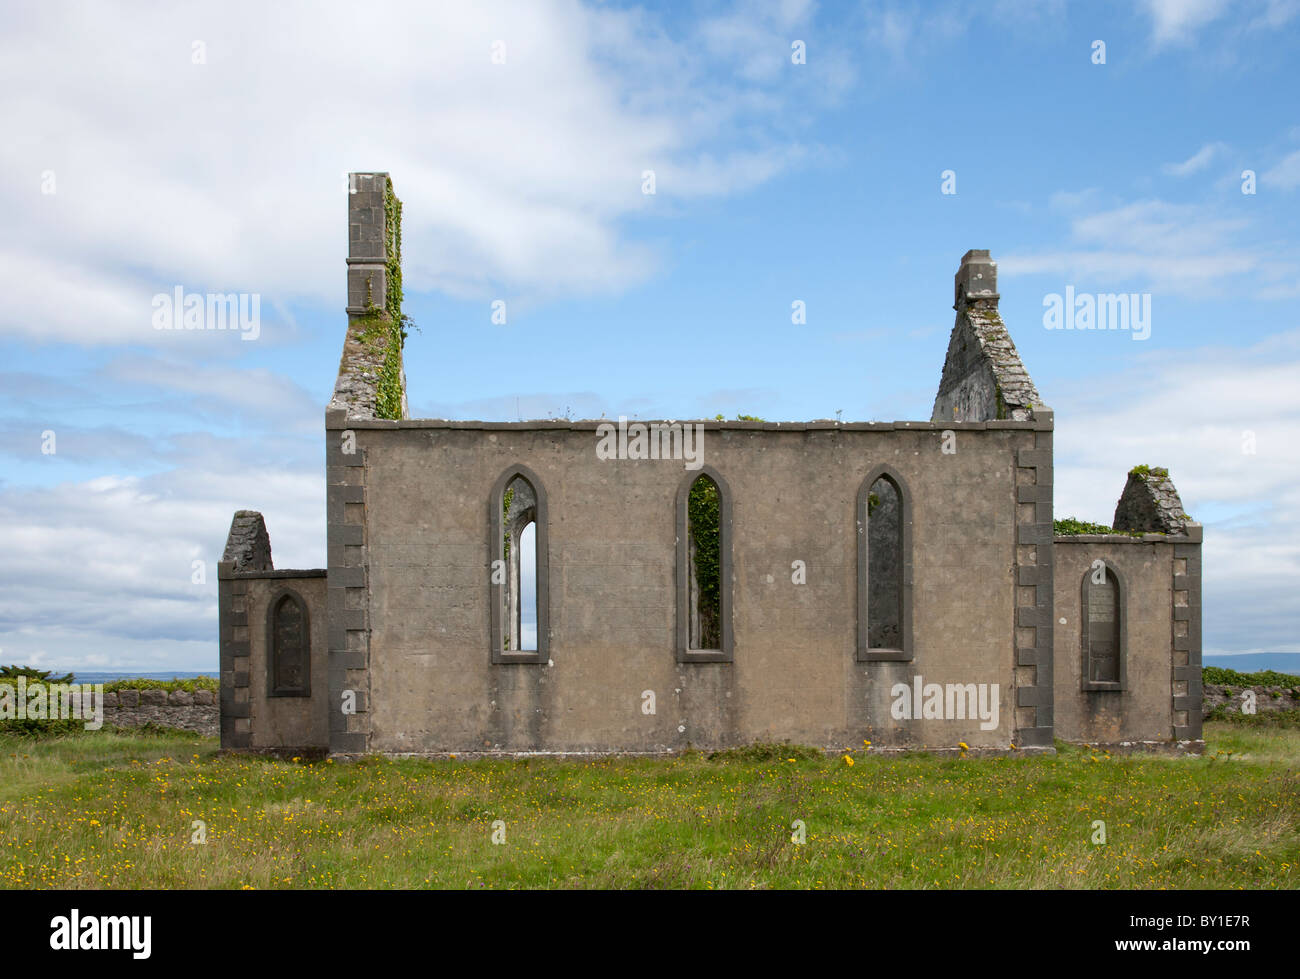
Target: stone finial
248,544
1150,504
977,278
983,377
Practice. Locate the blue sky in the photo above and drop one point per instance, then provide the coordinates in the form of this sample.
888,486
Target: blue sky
206,148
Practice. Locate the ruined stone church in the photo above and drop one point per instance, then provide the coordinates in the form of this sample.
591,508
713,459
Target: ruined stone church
597,586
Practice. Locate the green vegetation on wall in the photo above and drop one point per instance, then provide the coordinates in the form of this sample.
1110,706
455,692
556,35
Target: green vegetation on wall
1145,471
393,326
1071,525
705,522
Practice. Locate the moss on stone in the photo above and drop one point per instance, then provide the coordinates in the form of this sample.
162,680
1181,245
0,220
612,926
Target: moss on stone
1145,472
1071,526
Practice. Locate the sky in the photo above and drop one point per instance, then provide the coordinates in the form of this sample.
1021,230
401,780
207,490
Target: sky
841,156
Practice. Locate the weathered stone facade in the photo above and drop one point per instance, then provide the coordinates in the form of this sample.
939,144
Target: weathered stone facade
988,651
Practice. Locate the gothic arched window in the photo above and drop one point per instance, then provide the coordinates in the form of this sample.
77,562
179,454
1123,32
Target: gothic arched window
1101,622
519,563
704,568
288,646
884,526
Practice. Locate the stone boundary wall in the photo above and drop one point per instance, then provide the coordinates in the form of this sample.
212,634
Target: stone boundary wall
197,711
1266,698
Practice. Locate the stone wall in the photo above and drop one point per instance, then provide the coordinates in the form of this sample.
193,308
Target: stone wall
255,713
1266,698
196,711
1159,595
410,610
252,716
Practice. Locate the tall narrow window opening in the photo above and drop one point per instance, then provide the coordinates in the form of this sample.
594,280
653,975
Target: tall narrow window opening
704,529
519,568
288,647
884,524
704,632
1102,625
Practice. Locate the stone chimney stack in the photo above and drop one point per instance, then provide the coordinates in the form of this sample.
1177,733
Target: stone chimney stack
976,279
983,378
367,242
372,381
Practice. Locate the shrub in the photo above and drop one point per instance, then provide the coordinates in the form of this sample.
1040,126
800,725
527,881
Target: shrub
10,673
189,686
766,751
1264,678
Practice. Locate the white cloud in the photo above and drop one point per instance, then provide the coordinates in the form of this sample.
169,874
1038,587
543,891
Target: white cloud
1285,175
227,176
1196,162
1248,502
103,567
1176,249
1176,21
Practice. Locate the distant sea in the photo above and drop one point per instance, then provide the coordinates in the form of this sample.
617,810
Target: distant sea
89,676
1254,662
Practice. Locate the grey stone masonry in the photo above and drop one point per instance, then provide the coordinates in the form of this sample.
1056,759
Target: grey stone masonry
367,242
248,546
1234,700
1150,504
233,651
347,594
135,708
1188,700
1035,569
983,377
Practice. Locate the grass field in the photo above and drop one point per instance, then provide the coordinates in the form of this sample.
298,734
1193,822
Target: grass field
119,810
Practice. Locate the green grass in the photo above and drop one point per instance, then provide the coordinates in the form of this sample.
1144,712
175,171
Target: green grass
116,810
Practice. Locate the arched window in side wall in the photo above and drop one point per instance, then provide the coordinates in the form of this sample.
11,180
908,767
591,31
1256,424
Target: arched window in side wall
288,646
519,564
1101,621
884,531
704,633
